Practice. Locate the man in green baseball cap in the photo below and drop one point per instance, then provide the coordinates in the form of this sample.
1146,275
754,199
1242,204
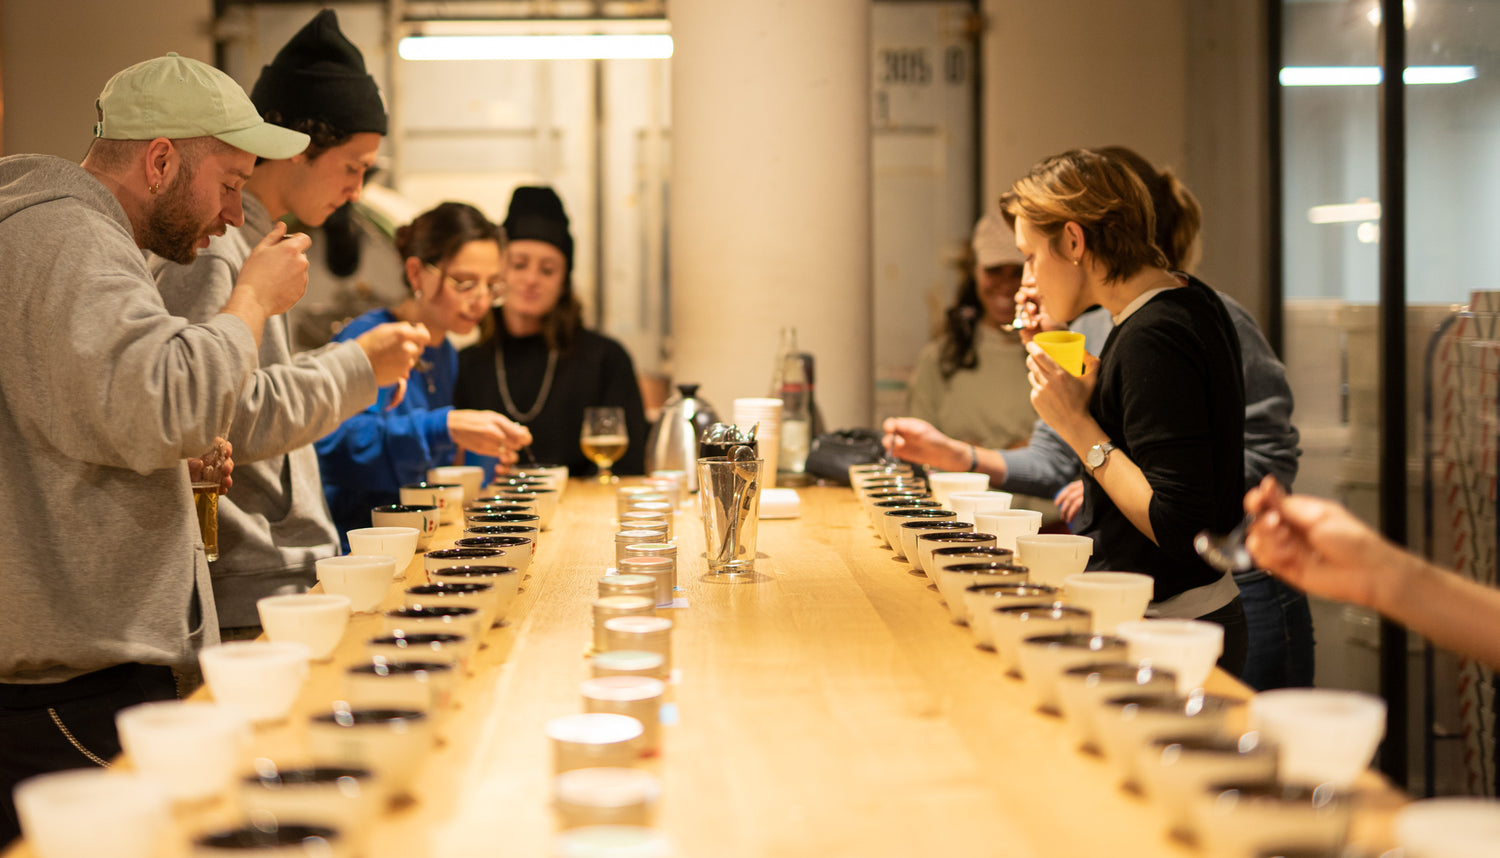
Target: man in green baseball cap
104,396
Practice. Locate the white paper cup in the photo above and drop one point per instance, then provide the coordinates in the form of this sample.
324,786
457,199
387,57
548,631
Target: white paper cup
1326,735
92,812
1188,648
968,504
1113,597
316,620
192,750
262,678
1009,525
364,578
397,543
942,484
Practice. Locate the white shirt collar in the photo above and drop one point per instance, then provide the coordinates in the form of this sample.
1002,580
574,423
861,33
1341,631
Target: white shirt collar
1141,299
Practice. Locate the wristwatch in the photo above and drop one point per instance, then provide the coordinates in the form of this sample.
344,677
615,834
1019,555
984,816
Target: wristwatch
1096,456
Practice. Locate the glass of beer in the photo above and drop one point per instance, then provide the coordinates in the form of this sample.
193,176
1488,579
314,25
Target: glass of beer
206,496
206,501
604,439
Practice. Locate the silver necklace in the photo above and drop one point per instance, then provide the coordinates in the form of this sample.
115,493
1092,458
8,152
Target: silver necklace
541,397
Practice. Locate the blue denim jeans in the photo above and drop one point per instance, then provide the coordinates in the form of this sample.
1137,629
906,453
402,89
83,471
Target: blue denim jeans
1281,633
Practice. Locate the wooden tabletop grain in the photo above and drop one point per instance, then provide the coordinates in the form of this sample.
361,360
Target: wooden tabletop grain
826,706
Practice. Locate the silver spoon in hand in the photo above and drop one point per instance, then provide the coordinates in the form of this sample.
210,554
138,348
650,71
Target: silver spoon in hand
1226,553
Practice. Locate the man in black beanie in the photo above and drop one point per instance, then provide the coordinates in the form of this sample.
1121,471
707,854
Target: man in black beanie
274,524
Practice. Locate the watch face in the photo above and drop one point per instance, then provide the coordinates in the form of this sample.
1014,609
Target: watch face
1096,456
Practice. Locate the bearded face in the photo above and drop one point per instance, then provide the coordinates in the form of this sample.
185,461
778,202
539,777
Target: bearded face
173,227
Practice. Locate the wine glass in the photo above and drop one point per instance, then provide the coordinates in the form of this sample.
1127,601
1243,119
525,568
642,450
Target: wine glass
604,439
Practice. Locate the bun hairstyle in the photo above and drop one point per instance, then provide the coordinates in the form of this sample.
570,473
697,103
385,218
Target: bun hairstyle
1102,196
438,233
1178,215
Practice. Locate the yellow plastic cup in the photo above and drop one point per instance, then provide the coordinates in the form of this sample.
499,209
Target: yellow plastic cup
1065,347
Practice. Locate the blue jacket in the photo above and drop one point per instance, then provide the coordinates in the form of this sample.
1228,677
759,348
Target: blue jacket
373,454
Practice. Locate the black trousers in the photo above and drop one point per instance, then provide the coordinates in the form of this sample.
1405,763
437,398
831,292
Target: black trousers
1236,635
67,725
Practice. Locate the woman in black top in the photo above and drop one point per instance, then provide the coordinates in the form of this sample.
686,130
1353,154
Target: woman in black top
541,367
1158,417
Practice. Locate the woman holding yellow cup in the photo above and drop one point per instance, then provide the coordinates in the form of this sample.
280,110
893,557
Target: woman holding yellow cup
1158,418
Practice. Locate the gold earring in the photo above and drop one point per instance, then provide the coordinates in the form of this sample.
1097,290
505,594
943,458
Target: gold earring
154,188
1078,261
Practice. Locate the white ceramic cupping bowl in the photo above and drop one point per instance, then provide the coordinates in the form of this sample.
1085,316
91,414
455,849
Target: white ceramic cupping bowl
92,812
1112,597
945,483
397,543
316,620
968,504
261,678
191,750
364,578
1051,557
1188,648
1449,828
1326,735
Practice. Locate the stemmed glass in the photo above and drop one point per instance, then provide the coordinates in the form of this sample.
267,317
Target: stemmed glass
604,439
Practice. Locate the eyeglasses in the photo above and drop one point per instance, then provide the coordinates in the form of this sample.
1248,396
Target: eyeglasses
464,287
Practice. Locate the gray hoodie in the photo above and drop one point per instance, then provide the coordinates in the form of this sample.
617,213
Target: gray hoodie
274,524
103,394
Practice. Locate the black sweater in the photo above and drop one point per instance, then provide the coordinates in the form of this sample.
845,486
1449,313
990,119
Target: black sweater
1171,397
595,370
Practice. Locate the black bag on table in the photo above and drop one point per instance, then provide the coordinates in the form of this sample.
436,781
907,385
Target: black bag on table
832,453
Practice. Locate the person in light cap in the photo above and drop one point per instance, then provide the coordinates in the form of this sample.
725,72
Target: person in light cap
104,397
971,382
275,525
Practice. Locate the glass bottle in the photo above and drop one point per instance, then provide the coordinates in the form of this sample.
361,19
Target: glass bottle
795,394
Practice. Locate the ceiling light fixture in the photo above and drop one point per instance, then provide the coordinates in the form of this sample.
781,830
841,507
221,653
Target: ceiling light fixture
593,46
1370,75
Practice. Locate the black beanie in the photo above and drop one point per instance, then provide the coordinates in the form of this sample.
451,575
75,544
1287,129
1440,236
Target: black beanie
536,213
320,75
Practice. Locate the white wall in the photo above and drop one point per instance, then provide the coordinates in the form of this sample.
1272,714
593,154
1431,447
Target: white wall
55,57
1176,80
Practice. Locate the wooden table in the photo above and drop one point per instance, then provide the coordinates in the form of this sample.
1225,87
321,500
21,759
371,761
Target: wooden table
827,707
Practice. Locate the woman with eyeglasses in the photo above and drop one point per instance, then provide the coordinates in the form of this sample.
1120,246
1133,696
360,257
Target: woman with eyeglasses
453,262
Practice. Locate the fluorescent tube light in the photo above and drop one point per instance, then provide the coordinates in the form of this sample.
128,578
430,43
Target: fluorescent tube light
1370,75
537,47
1344,212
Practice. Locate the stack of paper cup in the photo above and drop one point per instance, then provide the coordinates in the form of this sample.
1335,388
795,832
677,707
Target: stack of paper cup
749,411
